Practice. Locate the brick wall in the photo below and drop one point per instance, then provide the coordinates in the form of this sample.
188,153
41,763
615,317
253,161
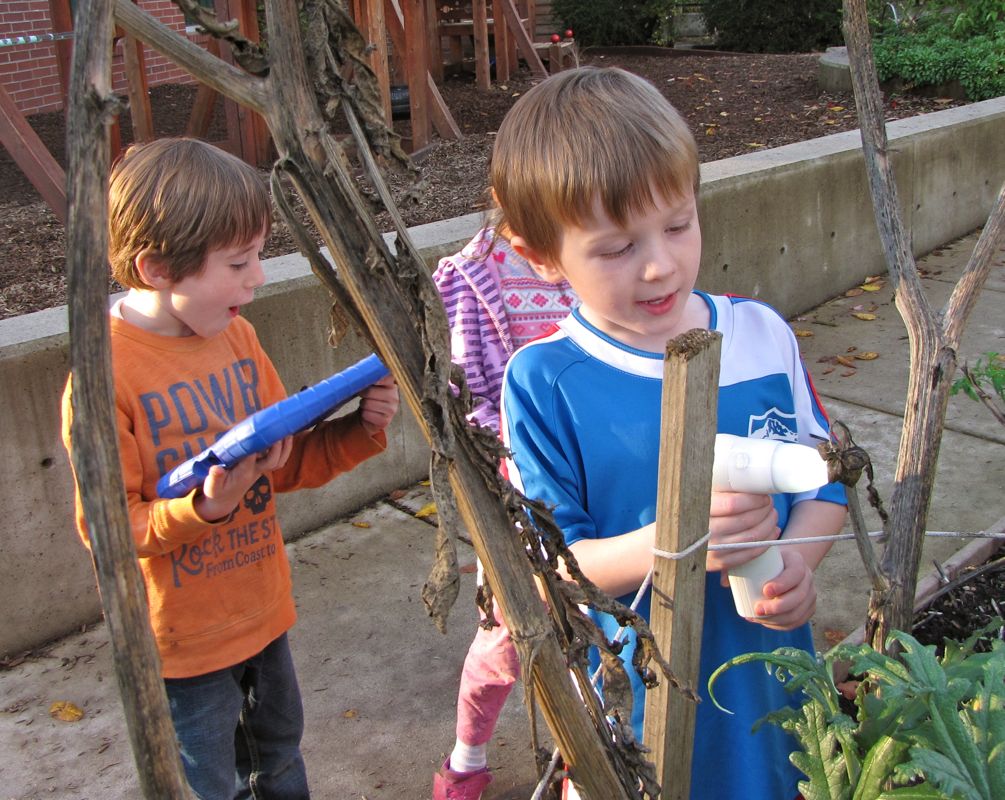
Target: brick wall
29,72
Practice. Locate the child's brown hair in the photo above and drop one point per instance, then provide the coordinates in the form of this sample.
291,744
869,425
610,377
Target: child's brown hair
175,200
581,135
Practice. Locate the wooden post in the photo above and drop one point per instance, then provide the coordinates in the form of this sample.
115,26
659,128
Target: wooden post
205,101
62,22
247,133
138,90
434,42
439,114
690,398
369,16
501,42
480,30
506,14
414,12
31,155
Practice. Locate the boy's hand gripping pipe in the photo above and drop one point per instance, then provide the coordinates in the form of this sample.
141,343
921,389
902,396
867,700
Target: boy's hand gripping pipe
762,466
266,427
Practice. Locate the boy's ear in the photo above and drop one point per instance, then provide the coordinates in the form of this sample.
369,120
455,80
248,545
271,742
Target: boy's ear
152,271
542,266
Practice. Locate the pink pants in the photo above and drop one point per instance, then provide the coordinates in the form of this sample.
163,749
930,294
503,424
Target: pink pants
491,667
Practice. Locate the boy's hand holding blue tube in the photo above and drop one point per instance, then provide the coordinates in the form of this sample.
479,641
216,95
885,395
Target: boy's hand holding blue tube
266,427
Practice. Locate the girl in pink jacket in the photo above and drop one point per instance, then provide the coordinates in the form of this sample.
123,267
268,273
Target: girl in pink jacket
495,303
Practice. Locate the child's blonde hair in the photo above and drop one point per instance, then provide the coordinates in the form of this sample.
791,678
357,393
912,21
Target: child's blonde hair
177,199
585,134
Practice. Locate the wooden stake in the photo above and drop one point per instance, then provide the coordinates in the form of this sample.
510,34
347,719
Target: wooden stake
96,462
690,399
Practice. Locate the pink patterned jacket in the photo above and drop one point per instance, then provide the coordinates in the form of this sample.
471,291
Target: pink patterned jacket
495,303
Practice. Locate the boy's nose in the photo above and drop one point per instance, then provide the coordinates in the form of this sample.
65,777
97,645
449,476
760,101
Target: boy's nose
256,275
660,264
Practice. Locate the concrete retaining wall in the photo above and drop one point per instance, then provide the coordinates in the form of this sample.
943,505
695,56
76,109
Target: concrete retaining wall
793,225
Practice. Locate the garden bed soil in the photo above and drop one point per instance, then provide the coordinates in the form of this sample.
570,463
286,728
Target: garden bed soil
957,597
735,104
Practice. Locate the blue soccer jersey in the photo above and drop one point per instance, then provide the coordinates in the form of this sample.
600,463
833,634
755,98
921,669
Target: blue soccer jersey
581,415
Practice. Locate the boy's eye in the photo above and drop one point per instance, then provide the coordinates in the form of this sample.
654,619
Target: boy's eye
680,228
617,253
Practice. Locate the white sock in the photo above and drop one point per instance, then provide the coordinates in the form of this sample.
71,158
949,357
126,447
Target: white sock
468,757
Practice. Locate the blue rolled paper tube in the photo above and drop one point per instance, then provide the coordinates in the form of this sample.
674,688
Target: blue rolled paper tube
266,427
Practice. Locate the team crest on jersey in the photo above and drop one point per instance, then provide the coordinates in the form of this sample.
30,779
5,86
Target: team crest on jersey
773,424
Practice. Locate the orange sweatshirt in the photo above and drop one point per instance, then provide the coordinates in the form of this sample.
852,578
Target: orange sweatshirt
218,592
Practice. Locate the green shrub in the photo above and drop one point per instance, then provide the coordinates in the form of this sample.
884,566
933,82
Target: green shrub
978,63
936,43
934,727
610,22
774,26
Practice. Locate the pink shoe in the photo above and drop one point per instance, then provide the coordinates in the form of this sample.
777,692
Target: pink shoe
569,790
450,785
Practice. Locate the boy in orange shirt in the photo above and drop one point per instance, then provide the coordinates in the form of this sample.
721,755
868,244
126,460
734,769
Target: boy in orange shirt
187,224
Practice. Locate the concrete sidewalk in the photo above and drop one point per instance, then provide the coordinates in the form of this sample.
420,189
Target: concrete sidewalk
379,682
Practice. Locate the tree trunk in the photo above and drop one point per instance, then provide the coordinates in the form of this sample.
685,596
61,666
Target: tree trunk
934,343
95,453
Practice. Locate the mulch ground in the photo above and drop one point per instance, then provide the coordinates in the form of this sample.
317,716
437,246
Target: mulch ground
735,103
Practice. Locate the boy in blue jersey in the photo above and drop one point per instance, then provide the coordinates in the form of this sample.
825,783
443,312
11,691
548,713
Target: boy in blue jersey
595,174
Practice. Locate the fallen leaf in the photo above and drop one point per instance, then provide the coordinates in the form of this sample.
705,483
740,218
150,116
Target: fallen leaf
873,278
833,637
836,108
397,494
65,711
426,511
827,371
868,355
844,360
848,689
352,713
802,333
870,287
848,374
468,569
360,524
854,292
865,317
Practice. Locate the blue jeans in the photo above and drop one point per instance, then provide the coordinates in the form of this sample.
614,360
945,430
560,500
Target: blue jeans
239,728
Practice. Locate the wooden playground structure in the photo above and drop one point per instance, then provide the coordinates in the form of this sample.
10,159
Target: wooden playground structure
413,43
